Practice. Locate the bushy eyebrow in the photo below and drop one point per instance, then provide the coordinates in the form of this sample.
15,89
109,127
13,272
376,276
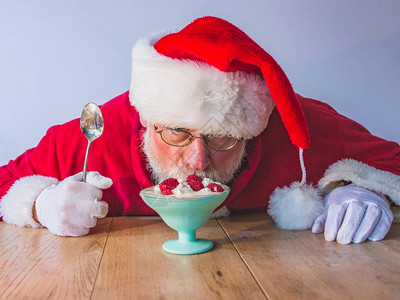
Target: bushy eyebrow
178,129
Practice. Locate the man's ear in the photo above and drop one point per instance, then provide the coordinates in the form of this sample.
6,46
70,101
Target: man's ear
143,122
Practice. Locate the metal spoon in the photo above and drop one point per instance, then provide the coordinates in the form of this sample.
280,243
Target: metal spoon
92,126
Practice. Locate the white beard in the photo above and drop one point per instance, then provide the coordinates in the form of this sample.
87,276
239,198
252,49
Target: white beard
161,172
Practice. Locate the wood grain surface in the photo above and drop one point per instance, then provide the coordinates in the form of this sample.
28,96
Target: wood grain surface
122,258
134,265
35,264
302,265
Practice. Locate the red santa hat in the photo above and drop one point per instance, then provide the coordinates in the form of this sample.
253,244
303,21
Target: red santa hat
212,77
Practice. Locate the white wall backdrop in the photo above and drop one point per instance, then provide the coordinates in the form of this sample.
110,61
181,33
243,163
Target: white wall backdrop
55,56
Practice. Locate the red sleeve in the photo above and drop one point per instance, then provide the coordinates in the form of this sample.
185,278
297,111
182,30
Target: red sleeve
40,160
61,153
361,145
335,133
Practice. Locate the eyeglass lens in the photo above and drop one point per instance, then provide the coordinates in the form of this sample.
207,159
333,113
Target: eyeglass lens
179,137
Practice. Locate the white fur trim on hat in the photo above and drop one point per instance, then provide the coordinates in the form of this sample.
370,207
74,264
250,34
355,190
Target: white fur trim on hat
365,176
295,207
16,206
195,95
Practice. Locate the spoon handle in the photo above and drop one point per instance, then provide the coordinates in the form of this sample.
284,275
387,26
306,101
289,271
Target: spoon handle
86,160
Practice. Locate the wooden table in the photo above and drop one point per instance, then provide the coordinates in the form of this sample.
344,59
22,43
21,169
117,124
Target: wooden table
252,259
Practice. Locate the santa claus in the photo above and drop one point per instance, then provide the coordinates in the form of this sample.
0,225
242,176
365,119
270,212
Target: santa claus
209,101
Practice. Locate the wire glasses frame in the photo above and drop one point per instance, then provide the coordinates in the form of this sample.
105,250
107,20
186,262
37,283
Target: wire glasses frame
179,137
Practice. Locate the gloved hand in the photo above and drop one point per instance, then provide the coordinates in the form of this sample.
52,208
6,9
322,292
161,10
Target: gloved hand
71,207
353,214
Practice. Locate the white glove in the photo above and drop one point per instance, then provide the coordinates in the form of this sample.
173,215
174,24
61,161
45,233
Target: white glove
71,207
353,214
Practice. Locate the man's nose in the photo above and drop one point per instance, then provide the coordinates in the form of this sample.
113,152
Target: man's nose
197,155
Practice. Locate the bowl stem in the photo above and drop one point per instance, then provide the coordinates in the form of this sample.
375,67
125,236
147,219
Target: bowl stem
187,236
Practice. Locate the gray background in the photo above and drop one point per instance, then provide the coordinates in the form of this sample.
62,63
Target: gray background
56,56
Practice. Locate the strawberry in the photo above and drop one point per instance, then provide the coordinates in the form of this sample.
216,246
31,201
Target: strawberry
195,182
165,191
214,187
167,185
170,183
194,178
196,185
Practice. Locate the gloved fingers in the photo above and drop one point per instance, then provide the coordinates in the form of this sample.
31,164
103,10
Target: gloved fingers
383,226
96,194
76,177
319,224
351,222
368,224
99,181
89,222
99,209
334,220
79,192
69,230
77,231
94,178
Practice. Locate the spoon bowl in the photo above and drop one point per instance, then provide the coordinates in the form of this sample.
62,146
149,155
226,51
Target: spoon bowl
92,126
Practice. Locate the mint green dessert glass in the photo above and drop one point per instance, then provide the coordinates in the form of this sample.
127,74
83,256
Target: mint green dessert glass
185,215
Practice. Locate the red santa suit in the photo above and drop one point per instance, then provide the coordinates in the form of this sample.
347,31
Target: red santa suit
339,149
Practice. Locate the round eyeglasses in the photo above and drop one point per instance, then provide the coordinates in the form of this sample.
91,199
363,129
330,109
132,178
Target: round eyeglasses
179,137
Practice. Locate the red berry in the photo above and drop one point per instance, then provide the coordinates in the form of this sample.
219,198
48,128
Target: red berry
214,187
196,185
170,183
195,182
194,178
165,191
167,185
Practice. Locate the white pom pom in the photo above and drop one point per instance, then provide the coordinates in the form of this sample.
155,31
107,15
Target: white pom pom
295,207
